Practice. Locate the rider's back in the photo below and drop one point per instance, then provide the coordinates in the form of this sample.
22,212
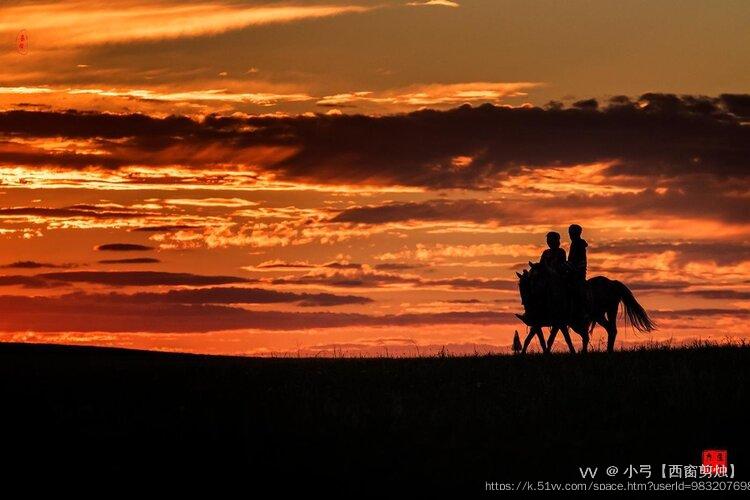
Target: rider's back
577,258
553,258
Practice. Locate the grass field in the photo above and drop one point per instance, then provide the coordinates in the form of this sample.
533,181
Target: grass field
436,424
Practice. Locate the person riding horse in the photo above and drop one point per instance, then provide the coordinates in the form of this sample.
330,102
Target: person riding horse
555,307
555,293
554,256
577,264
572,270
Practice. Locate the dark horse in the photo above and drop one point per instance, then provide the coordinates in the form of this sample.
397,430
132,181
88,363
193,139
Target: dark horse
546,302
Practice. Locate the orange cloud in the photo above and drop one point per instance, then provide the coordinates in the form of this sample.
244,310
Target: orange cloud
434,94
54,25
220,95
442,252
434,3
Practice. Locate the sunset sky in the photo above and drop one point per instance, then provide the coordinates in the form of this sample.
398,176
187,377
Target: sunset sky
365,177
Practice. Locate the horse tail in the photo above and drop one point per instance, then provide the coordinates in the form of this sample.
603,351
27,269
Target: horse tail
634,312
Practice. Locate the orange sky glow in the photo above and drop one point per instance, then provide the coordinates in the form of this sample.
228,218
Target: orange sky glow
364,178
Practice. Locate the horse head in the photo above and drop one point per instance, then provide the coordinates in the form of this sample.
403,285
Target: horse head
532,286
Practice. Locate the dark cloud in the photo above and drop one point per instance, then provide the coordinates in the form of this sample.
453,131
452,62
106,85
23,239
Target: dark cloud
29,282
31,264
704,200
656,286
700,313
139,278
721,252
721,294
473,283
342,265
80,124
658,135
700,197
122,247
396,266
285,265
13,153
303,265
112,314
31,105
591,104
233,295
376,279
166,228
73,212
431,210
137,260
737,104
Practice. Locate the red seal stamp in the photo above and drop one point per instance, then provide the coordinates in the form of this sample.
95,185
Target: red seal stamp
22,42
715,458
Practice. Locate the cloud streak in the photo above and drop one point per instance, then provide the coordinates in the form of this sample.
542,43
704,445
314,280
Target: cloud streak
667,137
122,247
433,95
434,3
118,314
234,295
76,24
138,278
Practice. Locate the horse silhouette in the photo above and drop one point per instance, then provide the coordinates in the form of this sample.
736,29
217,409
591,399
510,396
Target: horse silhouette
546,301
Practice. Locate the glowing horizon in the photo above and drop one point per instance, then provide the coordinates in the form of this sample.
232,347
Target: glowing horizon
274,178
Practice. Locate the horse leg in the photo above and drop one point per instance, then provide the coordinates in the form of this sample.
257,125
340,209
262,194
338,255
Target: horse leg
585,341
611,328
527,340
552,335
566,336
599,320
540,334
534,331
584,333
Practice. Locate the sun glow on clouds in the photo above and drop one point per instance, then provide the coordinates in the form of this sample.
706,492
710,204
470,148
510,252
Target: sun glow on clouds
295,187
442,252
409,239
80,23
25,90
583,179
176,179
434,94
436,3
234,94
219,95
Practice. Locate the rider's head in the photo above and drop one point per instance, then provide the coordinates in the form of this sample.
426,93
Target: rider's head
575,231
553,239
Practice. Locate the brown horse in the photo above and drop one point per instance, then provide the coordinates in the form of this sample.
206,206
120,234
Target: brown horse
544,297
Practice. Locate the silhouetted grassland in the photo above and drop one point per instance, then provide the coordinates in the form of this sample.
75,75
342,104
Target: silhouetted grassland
435,423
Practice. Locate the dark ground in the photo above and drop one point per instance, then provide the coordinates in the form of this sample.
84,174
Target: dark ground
73,414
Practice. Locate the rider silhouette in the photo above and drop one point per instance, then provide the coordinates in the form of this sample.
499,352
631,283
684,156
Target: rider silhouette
572,270
554,256
577,264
